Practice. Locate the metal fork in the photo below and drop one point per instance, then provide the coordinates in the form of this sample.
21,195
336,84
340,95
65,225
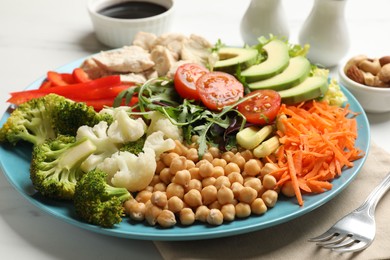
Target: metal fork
355,231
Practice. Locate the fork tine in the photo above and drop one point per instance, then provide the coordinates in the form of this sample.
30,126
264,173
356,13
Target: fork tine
334,240
323,237
353,248
348,241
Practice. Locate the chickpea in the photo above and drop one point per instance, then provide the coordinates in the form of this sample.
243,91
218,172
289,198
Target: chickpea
194,184
187,216
166,218
151,213
177,164
208,181
175,204
215,205
155,180
243,210
160,166
231,167
195,173
135,210
258,206
168,157
270,197
215,217
236,177
159,199
254,183
180,149
193,198
247,195
182,177
166,176
189,164
201,213
219,162
143,196
205,169
239,160
247,154
287,189
160,187
208,157
218,171
222,181
215,152
252,167
192,154
269,182
227,156
225,195
228,212
236,188
174,189
209,194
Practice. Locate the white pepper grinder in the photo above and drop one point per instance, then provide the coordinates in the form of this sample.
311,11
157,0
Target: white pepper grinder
262,18
326,31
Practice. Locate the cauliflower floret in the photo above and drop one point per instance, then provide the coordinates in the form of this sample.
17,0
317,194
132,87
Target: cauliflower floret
124,129
104,145
127,170
157,142
159,122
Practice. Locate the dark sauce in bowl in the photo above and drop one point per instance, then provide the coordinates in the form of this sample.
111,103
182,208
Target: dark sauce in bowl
133,10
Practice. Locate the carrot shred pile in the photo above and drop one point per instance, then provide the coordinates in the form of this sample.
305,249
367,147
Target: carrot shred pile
317,143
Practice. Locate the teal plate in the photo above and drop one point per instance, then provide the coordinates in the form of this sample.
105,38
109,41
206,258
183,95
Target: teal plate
15,162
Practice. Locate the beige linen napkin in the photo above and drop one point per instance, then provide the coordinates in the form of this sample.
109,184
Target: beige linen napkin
289,240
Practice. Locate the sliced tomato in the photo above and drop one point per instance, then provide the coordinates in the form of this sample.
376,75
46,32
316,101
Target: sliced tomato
185,78
262,108
219,89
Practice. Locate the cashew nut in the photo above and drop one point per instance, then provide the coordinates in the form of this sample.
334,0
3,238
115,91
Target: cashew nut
384,73
369,65
354,61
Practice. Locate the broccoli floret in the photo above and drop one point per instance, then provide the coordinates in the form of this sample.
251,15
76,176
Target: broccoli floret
135,147
31,122
97,202
55,165
46,117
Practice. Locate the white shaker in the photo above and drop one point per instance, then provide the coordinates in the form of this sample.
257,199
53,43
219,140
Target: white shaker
325,29
262,18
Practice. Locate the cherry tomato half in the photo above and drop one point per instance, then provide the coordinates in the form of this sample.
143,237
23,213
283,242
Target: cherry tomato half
262,108
185,78
219,89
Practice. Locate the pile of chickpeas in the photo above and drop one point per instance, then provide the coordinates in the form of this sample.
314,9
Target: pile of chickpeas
220,187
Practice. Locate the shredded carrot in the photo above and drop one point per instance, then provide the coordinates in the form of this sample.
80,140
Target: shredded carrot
317,143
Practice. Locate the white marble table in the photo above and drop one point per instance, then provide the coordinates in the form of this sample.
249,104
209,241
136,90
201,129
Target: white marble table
39,35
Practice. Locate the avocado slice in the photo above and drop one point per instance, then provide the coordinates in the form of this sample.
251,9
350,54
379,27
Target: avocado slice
231,57
310,88
277,60
297,70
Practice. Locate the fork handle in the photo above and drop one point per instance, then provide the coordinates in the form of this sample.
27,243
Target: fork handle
374,197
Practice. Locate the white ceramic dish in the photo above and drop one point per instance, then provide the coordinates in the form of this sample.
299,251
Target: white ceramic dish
115,32
15,163
372,99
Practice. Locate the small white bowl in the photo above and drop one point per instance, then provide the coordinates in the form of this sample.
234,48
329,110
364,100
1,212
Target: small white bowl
372,99
116,32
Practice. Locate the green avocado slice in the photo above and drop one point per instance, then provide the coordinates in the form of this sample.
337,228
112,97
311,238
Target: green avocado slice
277,60
297,70
231,57
310,88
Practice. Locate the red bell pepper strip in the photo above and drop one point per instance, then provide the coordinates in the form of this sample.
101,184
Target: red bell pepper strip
80,76
57,79
73,91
